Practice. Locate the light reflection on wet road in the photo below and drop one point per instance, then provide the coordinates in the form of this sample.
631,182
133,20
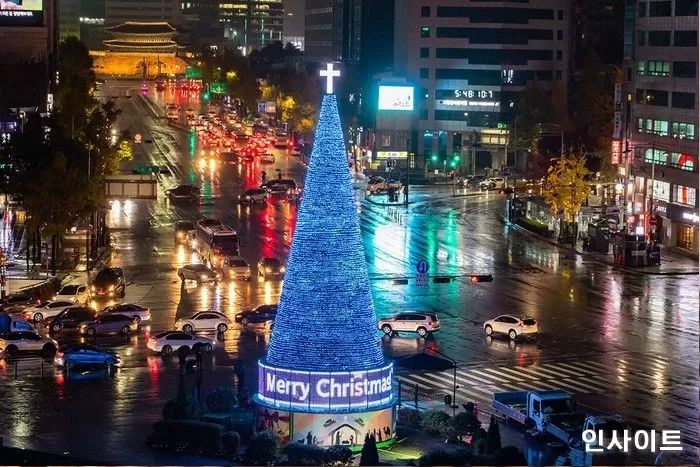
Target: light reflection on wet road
628,323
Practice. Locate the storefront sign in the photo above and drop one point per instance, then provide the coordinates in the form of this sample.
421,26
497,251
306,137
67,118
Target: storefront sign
309,390
691,216
392,154
468,97
617,115
616,152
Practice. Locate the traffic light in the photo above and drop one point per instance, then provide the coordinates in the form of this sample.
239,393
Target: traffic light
205,96
474,278
434,158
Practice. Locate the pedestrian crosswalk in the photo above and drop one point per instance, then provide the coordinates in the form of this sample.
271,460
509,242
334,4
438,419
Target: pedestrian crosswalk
625,384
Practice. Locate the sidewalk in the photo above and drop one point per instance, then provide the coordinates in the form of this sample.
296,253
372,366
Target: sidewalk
672,262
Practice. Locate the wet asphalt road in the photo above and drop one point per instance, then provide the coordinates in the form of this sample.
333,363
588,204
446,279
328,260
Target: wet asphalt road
622,343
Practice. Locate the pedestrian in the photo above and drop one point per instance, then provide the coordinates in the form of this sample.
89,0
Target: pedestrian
239,371
182,356
279,175
263,175
405,194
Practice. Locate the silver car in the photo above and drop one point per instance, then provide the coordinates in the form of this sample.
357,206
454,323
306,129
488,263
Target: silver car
236,268
197,272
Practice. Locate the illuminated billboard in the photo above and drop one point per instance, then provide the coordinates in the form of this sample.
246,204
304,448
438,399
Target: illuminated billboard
21,12
395,98
345,429
321,390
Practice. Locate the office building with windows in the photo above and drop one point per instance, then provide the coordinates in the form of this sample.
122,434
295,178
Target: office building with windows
251,24
662,132
471,60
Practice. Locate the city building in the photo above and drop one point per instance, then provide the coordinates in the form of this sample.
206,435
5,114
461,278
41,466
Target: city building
69,19
470,61
293,24
28,59
251,24
121,11
92,23
353,32
662,121
140,49
343,386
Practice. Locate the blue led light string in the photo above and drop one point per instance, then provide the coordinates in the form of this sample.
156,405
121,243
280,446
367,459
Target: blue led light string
326,318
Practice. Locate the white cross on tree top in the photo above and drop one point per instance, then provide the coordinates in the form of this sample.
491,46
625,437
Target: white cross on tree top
329,73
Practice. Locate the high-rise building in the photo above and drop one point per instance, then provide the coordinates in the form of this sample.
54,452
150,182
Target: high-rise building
28,56
251,24
293,24
470,61
68,19
354,32
662,125
121,11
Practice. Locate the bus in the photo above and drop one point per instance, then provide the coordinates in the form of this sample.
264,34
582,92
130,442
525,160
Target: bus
216,242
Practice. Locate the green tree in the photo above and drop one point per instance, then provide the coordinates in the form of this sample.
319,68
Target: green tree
76,80
565,186
369,454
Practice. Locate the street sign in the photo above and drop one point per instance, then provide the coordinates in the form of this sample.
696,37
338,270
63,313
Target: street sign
422,268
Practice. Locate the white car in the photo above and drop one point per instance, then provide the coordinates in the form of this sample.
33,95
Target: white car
47,310
169,341
203,321
511,325
138,313
236,268
254,195
78,293
378,184
410,321
26,341
494,183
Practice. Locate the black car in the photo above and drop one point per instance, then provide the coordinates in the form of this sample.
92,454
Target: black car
182,228
260,314
183,192
270,267
71,317
282,185
109,282
17,302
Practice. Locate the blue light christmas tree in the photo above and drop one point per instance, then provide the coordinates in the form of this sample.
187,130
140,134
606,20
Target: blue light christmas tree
326,320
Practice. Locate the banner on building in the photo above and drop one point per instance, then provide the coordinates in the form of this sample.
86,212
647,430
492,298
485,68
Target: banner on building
616,152
617,117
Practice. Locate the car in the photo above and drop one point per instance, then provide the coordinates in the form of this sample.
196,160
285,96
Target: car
236,268
78,293
203,321
270,267
137,312
17,302
254,195
70,318
47,310
267,158
15,323
26,341
206,222
280,185
259,314
83,354
379,184
169,341
197,272
410,321
109,282
183,192
511,325
109,323
493,183
181,230
508,190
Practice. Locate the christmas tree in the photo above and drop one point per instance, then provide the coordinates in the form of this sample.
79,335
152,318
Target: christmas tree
326,320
